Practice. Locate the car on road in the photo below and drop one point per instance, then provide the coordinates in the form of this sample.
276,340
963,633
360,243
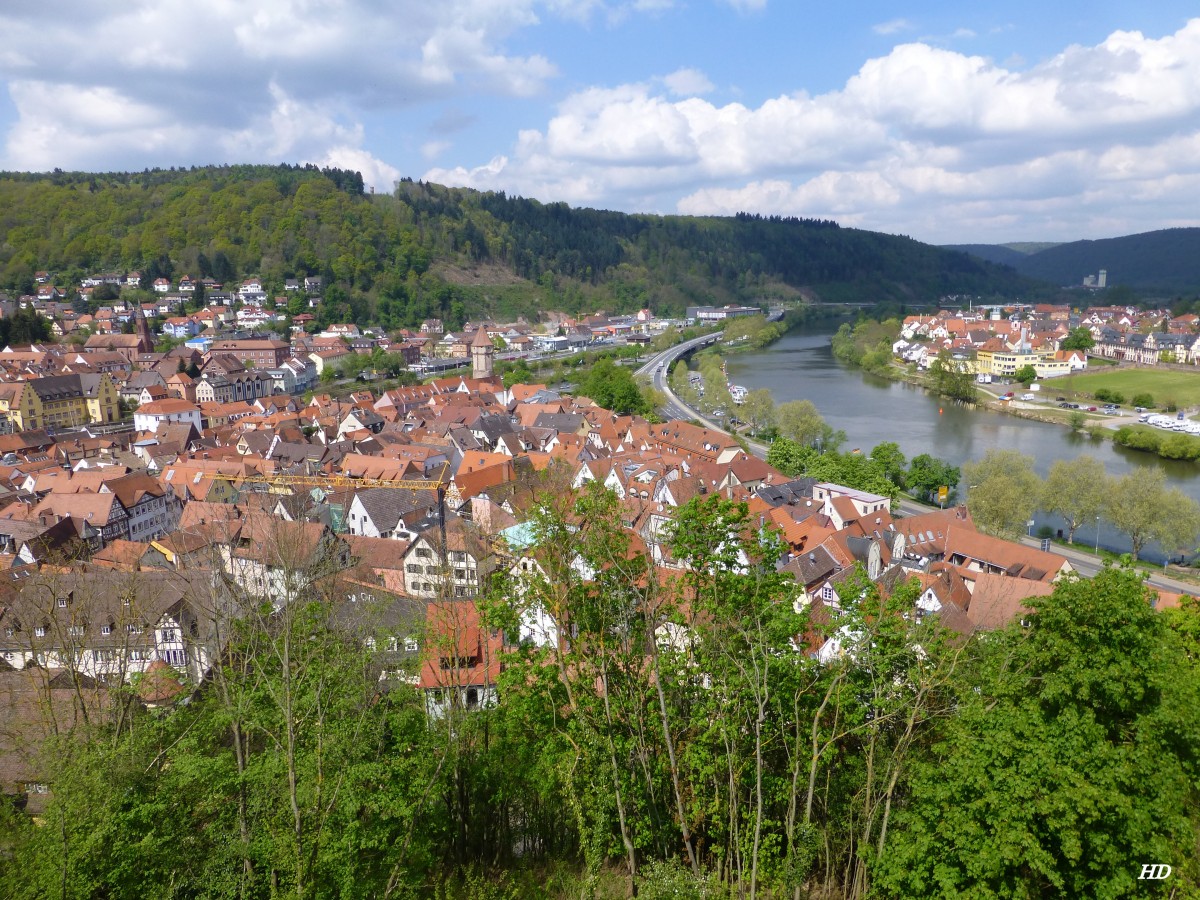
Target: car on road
1092,409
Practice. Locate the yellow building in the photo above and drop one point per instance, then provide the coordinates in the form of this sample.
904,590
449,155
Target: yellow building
59,401
1004,363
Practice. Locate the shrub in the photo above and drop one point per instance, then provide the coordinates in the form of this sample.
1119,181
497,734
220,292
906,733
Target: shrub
1110,396
1180,446
1146,400
1138,439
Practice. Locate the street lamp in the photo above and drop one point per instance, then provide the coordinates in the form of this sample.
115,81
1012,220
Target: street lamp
1097,535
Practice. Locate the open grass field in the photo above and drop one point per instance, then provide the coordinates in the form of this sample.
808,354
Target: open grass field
1165,385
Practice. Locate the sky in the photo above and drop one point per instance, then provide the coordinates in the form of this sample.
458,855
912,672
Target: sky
984,122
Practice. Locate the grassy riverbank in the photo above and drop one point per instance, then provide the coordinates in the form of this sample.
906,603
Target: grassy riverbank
1168,387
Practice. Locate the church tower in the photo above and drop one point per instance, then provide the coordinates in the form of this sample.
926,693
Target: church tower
145,337
482,353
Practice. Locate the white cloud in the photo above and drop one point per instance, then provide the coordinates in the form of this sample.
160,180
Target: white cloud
376,173
893,26
924,140
166,81
687,82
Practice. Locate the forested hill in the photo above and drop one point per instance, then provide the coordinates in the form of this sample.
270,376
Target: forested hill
428,250
1166,260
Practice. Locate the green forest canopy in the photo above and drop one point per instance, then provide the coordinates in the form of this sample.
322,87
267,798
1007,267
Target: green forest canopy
430,251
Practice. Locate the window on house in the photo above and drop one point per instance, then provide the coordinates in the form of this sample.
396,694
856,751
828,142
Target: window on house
75,630
413,568
168,635
39,631
106,629
62,602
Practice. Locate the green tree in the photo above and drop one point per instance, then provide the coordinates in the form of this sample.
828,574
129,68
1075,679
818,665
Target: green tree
1004,492
951,378
1043,783
759,410
892,461
1144,509
1079,338
1026,375
614,388
926,474
1076,489
799,421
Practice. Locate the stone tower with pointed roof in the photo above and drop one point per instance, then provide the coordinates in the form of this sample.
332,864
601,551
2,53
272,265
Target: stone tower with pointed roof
145,336
482,354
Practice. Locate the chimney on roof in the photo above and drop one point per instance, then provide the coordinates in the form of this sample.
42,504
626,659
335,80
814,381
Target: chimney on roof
812,557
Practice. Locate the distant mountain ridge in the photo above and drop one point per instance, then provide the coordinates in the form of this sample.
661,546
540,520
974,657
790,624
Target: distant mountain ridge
1167,260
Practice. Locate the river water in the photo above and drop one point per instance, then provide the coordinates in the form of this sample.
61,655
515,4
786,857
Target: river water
869,409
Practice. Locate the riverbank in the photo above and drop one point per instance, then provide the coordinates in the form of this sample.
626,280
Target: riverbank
1165,445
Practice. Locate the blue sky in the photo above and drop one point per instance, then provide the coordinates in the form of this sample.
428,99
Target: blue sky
985,123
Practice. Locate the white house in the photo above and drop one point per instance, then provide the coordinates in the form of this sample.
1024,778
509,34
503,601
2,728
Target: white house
169,411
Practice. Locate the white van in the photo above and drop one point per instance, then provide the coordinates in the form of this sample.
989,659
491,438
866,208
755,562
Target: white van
1027,397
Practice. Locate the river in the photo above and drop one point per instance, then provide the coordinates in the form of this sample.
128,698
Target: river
869,409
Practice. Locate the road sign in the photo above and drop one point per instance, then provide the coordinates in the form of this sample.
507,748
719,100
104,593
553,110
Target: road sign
943,493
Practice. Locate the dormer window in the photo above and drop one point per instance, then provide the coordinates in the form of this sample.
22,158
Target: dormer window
39,631
62,602
106,628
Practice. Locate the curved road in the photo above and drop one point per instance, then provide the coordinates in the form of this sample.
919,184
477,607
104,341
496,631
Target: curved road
658,367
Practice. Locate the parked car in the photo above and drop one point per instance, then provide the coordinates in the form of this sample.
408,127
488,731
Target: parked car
1139,409
1007,396
1180,416
1060,398
1092,409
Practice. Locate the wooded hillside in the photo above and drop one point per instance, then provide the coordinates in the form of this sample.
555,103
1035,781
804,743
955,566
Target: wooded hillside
428,250
1166,260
